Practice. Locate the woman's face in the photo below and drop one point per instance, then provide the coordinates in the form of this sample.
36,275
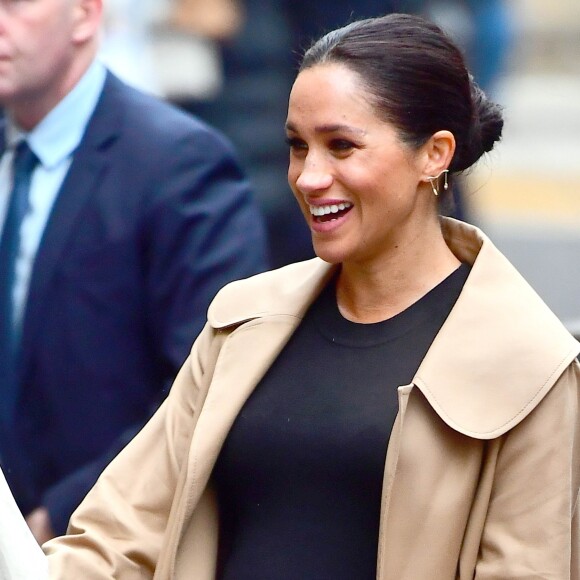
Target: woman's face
356,182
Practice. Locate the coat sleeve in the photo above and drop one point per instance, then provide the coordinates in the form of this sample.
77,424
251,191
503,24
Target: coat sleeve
531,530
118,529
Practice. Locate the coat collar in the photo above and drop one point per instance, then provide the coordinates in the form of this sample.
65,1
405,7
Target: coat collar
288,291
499,352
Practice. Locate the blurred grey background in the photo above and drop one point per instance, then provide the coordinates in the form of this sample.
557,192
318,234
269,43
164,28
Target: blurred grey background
527,195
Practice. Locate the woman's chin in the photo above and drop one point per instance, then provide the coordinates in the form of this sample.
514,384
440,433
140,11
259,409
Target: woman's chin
330,253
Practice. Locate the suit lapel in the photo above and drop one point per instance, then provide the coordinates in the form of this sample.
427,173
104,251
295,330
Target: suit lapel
89,164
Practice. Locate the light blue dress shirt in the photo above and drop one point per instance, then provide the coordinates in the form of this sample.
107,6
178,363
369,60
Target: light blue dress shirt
54,141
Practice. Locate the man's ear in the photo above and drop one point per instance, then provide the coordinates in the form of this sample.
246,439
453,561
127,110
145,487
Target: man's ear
438,151
87,20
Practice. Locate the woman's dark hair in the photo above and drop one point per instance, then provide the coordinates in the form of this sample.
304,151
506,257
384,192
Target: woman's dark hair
417,80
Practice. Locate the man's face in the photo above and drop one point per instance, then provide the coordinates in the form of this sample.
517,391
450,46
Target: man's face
39,44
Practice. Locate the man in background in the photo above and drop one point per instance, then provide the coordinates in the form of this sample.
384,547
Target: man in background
120,218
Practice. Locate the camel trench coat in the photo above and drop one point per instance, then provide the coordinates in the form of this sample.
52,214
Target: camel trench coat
482,469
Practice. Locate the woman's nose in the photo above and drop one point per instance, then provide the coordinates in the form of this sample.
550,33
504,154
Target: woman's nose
314,176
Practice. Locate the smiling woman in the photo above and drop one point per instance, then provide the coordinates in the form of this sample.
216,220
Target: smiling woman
402,407
343,153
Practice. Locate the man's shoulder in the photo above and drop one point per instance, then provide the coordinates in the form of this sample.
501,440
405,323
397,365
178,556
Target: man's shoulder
147,114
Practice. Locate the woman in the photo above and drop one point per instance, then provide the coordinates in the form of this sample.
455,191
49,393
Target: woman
402,407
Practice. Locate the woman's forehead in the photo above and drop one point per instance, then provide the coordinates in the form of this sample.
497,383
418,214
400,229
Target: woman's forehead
331,92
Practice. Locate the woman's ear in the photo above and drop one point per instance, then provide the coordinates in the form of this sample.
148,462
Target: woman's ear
438,151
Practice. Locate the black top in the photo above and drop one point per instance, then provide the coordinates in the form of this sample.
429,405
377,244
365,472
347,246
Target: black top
299,478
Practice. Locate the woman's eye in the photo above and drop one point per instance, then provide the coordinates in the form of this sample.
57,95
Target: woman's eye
296,144
341,145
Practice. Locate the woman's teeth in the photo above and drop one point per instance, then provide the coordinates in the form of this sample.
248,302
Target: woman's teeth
322,210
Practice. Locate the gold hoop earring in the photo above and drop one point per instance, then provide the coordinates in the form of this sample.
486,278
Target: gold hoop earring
435,180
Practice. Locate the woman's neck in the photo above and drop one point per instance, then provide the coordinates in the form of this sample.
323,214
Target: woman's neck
377,290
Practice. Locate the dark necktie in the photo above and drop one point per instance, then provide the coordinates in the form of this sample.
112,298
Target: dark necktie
24,163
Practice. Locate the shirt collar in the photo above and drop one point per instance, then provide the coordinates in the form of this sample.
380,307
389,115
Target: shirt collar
57,136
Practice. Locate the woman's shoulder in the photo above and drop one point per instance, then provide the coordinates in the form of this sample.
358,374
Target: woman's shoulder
500,351
284,291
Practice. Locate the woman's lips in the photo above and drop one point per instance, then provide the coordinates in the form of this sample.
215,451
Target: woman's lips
327,218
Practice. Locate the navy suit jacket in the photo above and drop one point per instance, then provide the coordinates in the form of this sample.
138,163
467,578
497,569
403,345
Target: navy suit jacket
153,218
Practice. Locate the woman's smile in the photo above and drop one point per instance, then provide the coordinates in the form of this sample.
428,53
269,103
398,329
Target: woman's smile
325,213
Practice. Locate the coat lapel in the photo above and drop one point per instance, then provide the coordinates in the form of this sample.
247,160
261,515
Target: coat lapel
244,358
500,350
82,180
257,334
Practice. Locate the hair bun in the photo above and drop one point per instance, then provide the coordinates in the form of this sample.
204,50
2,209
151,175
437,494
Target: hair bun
486,129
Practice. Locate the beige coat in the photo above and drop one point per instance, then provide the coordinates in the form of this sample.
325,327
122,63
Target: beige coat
482,471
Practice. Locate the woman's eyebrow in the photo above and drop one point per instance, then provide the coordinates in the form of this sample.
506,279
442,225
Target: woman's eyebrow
338,128
331,128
